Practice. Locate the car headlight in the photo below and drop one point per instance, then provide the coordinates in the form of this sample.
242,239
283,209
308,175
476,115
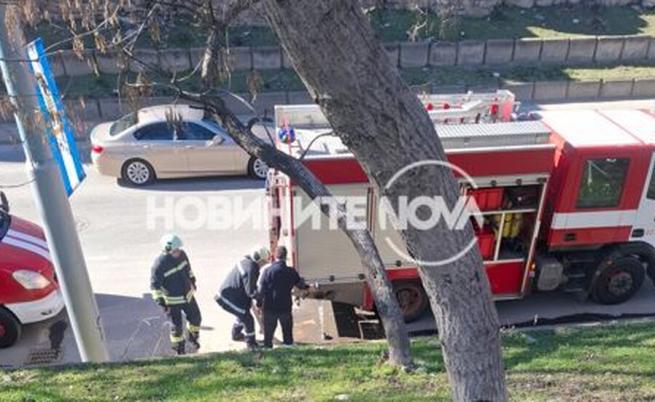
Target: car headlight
30,279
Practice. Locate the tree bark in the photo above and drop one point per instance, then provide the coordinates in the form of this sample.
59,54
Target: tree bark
347,72
374,269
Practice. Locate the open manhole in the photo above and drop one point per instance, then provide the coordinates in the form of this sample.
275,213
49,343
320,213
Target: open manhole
38,357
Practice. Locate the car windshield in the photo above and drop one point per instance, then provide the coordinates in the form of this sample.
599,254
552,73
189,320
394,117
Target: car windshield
123,123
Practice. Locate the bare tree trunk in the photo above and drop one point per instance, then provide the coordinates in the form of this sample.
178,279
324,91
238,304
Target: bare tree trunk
333,49
374,269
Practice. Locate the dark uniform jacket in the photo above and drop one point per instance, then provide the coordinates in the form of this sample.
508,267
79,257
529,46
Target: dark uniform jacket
276,284
240,286
172,282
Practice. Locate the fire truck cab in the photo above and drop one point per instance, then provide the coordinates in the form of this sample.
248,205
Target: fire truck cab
28,288
567,203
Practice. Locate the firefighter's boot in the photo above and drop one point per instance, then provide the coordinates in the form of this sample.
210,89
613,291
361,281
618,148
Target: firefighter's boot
193,340
178,348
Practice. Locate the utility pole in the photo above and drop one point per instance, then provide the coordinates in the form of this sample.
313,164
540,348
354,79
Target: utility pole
49,193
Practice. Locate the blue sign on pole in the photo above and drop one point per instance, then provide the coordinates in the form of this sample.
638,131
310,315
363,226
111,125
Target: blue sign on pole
60,133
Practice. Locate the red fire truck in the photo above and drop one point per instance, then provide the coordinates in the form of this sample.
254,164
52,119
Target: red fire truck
567,201
28,288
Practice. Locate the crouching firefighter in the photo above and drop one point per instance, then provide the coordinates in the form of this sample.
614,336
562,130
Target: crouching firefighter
173,285
238,292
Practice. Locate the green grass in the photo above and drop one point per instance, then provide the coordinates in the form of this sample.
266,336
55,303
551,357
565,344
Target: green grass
287,80
614,363
394,25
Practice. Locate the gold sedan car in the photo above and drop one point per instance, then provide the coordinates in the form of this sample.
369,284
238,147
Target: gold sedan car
168,141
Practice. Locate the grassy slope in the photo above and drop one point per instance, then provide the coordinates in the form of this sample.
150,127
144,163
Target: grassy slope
609,364
393,25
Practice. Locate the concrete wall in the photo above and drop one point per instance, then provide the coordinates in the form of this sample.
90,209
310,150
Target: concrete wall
575,51
84,113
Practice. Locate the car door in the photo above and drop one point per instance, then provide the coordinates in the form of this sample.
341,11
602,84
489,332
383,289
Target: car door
208,150
156,144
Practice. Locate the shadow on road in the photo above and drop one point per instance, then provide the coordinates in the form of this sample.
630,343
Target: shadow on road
219,183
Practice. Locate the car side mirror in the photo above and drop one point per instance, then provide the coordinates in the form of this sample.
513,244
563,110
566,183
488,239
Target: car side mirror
217,140
4,203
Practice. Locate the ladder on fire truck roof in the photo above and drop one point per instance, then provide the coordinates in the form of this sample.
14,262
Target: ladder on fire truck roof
523,134
468,108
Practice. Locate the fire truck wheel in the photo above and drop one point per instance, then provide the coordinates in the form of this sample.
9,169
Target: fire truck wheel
618,280
10,328
412,299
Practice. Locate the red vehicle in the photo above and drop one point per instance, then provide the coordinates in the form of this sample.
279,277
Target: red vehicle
568,202
28,287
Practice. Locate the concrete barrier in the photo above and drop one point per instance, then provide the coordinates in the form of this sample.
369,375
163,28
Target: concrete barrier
522,90
144,58
393,52
75,67
175,60
449,89
644,88
554,50
286,62
499,51
414,54
651,49
616,89
470,52
550,90
527,51
82,109
635,48
196,55
582,50
266,58
111,108
609,49
57,63
240,58
266,101
443,54
109,63
583,90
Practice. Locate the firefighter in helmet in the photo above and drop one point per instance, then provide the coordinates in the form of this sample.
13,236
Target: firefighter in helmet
238,291
173,285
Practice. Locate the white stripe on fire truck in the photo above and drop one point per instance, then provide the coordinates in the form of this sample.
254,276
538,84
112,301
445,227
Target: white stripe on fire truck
600,219
12,241
28,238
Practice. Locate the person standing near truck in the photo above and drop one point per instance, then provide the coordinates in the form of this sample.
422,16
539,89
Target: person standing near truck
173,286
238,291
275,286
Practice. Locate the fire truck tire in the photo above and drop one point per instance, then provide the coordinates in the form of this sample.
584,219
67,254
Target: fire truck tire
617,280
10,328
412,299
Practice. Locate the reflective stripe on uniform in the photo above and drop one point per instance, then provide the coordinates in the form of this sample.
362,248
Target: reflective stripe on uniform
235,308
249,334
176,269
193,328
157,294
176,300
177,339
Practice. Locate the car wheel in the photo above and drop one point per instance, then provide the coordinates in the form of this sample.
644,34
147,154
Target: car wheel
618,280
10,328
138,172
257,168
412,299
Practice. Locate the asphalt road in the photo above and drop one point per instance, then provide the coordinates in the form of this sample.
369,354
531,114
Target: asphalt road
120,243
